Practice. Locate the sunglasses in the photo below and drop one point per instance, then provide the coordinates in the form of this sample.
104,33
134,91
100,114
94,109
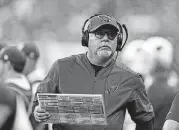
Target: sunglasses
110,34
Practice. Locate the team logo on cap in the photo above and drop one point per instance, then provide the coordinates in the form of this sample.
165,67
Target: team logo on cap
104,18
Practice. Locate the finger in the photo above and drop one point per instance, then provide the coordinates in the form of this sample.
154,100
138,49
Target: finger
39,110
42,114
38,115
43,118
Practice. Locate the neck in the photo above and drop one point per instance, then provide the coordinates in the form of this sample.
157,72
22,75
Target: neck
99,61
12,74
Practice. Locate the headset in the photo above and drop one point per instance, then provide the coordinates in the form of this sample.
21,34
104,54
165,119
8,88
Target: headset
120,44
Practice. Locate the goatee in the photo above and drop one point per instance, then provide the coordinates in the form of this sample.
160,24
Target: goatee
104,55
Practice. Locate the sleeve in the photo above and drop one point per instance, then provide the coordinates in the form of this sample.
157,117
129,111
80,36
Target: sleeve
139,106
146,125
21,121
173,113
50,84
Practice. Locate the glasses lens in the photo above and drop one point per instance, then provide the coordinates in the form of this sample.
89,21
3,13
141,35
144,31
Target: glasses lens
110,34
99,34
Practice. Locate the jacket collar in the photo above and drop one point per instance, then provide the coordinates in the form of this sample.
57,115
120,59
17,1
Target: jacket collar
104,71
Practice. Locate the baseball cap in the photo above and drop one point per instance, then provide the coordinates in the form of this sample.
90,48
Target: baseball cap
16,57
31,50
99,21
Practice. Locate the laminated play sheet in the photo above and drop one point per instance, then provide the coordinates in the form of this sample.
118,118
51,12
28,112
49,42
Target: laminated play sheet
82,109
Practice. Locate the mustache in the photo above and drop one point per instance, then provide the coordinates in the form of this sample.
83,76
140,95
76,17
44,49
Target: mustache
105,43
105,46
105,40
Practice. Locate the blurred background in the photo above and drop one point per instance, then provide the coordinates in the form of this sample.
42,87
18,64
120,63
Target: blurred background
55,25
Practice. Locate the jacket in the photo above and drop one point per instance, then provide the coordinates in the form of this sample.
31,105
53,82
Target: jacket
7,107
121,89
21,86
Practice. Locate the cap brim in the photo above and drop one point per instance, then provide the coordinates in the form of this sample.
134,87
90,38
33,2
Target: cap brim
104,25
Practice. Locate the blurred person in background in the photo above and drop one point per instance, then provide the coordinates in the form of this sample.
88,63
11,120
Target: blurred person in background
132,56
121,87
162,84
2,45
12,62
7,108
12,108
32,54
32,75
153,59
172,119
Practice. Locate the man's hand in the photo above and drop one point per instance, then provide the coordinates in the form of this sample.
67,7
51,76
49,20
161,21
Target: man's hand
40,115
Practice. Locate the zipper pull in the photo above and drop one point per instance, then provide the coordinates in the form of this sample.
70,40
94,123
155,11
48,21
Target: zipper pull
95,78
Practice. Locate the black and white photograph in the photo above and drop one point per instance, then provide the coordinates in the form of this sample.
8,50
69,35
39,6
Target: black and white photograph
89,65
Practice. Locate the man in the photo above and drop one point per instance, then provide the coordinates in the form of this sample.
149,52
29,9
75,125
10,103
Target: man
162,80
31,51
96,72
32,54
12,64
172,119
132,56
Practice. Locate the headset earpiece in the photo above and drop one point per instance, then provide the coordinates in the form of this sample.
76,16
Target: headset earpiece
85,38
119,42
119,37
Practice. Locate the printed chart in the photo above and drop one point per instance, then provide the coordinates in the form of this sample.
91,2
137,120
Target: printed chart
82,109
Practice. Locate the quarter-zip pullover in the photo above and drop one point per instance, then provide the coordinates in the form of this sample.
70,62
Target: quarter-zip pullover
121,89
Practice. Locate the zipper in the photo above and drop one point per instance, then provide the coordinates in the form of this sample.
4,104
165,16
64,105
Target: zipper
104,94
93,84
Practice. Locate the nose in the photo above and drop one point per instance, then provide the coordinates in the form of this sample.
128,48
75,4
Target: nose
105,37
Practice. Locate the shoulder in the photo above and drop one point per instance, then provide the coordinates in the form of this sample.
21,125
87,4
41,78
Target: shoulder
6,95
124,67
70,59
176,101
173,113
129,76
67,62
